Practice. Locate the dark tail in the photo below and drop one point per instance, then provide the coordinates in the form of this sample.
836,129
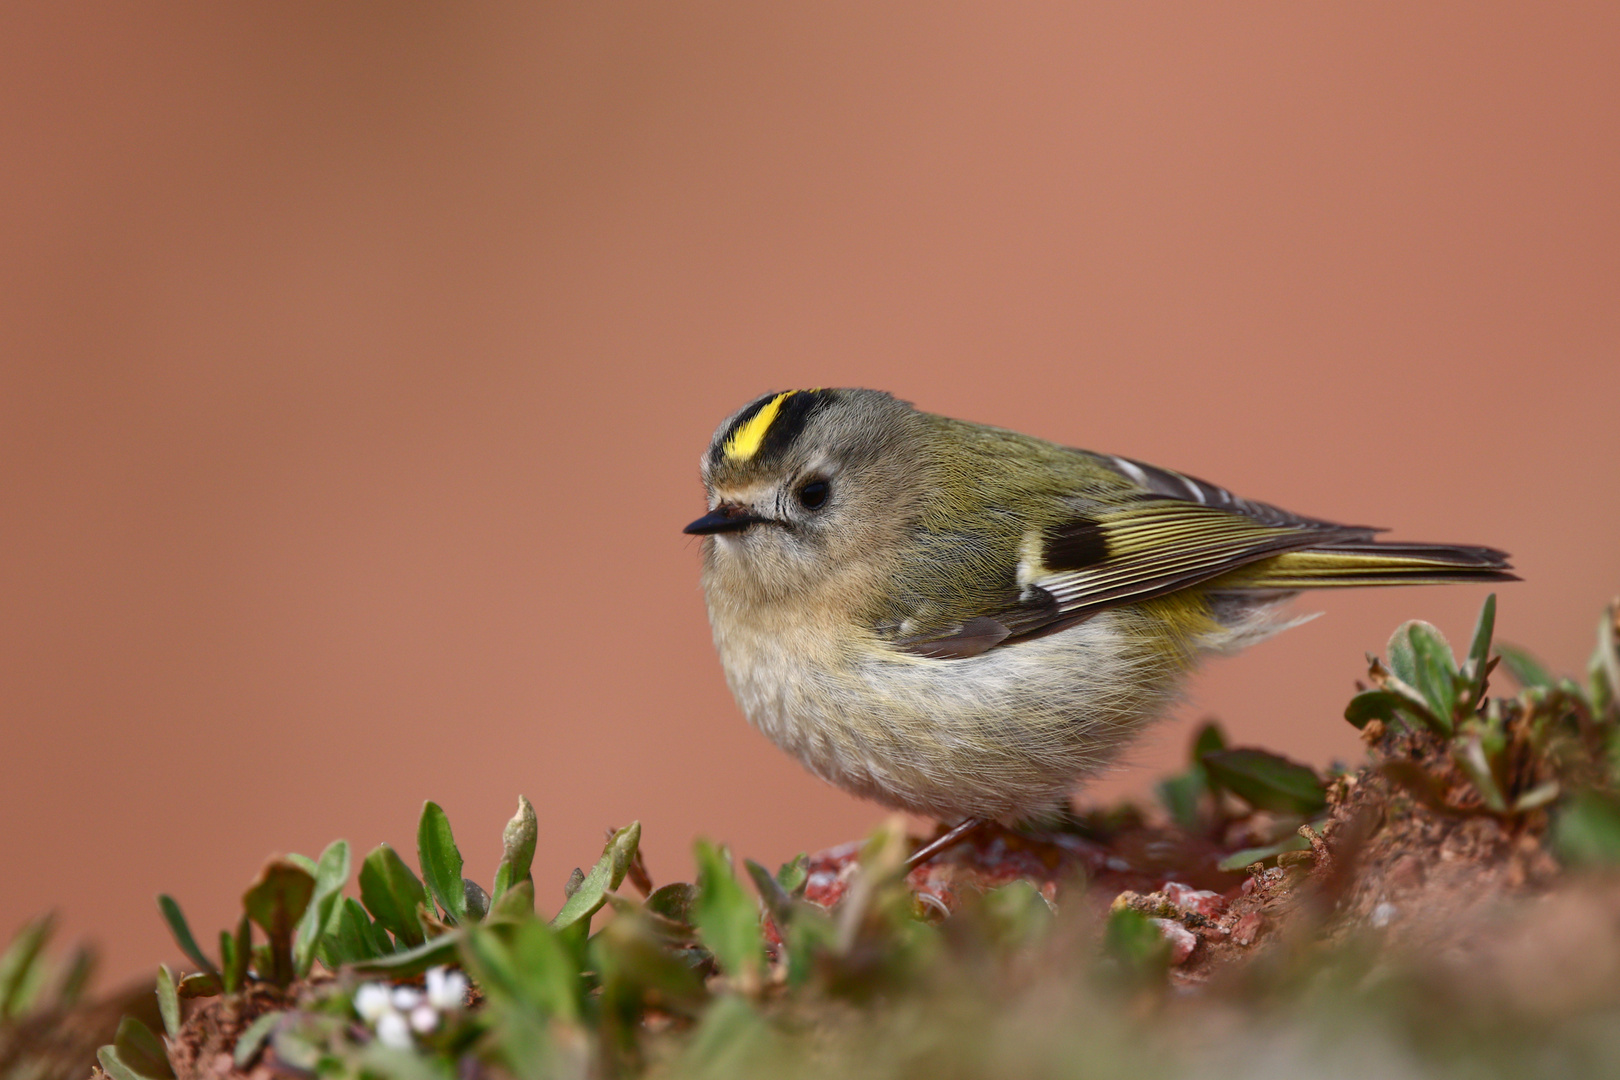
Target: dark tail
1367,562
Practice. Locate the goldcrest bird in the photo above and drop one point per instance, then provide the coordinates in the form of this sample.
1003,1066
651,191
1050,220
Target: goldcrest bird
962,621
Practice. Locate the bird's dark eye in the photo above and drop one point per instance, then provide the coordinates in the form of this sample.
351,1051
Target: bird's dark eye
813,496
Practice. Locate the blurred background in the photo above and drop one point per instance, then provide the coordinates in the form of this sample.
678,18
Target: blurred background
355,362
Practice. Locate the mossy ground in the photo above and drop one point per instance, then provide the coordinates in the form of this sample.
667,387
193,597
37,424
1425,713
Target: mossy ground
1451,908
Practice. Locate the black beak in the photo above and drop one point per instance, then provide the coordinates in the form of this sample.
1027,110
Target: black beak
727,517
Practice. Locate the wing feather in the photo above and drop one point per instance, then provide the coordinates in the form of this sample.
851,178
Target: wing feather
1174,532
1160,545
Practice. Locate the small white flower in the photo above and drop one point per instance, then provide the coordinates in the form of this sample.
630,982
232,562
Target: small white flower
407,998
393,1032
446,989
371,1001
424,1018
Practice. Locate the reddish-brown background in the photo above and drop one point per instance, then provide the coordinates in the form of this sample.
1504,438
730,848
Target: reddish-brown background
357,359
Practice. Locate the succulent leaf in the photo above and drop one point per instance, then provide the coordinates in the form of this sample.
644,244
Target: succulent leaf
199,984
1267,781
440,859
1587,831
331,872
251,1041
794,876
1372,705
17,973
142,1051
1476,669
392,893
1526,670
727,920
414,961
276,901
776,899
1469,753
182,932
168,1001
517,848
608,874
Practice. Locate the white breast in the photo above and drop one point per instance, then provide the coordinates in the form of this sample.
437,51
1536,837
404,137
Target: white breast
998,735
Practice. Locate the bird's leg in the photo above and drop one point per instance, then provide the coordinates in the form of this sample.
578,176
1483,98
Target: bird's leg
950,838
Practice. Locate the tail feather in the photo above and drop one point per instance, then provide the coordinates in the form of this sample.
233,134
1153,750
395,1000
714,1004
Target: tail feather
1358,563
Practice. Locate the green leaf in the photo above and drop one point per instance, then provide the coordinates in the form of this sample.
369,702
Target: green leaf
794,876
199,984
1134,943
234,954
382,943
673,902
1599,690
1587,832
1477,666
638,968
440,950
476,898
1266,781
1420,657
727,920
391,893
1238,860
1402,657
485,955
331,874
301,1049
605,876
352,938
141,1050
1540,795
17,973
228,960
527,966
1373,705
776,899
810,938
1526,670
1209,739
1016,914
731,1030
1434,667
249,1043
357,938
168,1001
1468,751
1603,671
440,859
516,906
182,933
1413,703
79,969
1180,794
113,1065
276,901
517,848
376,1060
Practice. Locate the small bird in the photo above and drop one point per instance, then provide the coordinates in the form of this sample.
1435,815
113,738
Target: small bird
962,621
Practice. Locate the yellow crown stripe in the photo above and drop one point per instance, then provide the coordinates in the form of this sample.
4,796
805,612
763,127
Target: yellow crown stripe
745,441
